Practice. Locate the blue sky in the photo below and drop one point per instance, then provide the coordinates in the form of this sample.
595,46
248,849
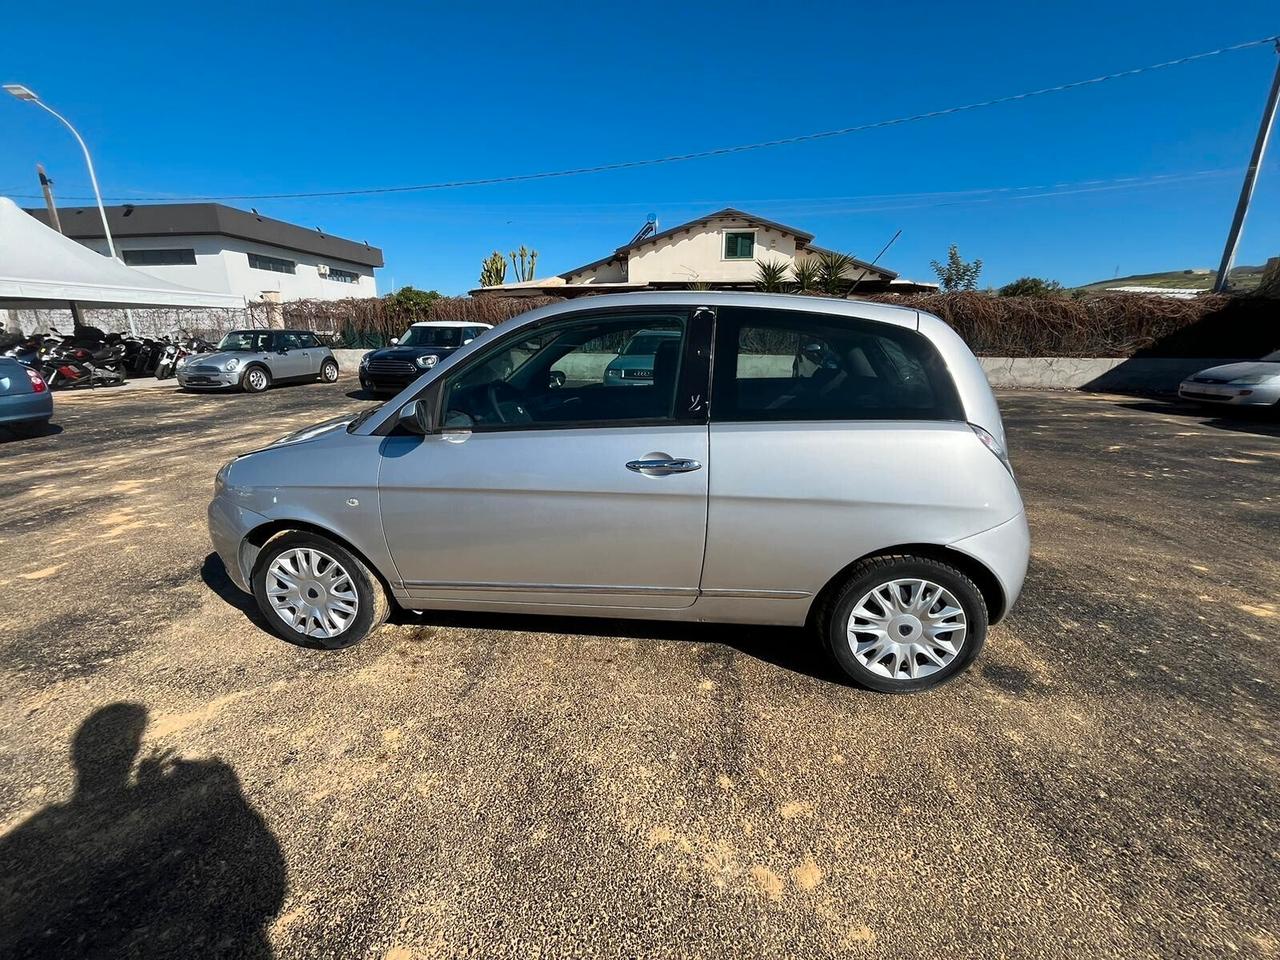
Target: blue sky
178,100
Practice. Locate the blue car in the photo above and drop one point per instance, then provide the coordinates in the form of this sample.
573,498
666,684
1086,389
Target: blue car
26,403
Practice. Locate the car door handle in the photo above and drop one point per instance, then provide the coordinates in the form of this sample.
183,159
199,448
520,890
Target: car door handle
660,467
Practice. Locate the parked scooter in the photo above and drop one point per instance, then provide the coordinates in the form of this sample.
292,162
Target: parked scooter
77,362
176,350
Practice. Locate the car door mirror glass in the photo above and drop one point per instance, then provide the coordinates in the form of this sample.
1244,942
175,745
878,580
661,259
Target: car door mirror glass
395,341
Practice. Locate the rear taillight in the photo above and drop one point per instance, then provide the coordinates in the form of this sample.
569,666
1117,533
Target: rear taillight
992,444
37,382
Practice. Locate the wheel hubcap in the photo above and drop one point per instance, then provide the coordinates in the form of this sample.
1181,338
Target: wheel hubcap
331,373
907,629
257,380
312,592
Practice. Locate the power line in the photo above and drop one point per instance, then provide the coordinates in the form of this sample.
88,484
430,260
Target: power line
717,151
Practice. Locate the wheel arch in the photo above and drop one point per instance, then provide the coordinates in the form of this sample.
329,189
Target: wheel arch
257,538
984,578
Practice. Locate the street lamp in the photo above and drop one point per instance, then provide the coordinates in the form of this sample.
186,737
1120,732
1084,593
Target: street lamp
26,93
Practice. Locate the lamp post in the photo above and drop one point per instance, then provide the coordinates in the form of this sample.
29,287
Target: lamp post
26,93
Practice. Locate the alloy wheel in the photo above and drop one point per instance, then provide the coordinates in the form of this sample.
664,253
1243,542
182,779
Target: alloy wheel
312,592
907,629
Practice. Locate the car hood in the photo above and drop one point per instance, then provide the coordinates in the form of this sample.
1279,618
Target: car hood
1249,368
410,353
316,430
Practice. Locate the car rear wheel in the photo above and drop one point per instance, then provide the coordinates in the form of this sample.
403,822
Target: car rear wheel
315,592
255,379
329,371
902,623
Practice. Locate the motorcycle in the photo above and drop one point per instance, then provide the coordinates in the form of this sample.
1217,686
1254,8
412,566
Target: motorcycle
176,351
73,364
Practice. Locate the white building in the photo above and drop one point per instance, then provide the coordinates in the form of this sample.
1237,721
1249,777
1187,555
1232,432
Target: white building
722,250
220,249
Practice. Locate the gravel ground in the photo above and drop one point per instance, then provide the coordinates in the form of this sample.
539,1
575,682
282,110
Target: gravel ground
176,781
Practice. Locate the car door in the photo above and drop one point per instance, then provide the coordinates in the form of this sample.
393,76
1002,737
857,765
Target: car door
546,485
290,359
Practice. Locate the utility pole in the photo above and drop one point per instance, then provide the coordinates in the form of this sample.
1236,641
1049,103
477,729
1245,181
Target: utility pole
1250,178
46,185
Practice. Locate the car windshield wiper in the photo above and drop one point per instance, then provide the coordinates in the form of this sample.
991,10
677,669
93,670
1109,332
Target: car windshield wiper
362,416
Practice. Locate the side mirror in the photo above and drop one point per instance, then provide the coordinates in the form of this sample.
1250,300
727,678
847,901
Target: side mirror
555,379
468,340
415,416
395,341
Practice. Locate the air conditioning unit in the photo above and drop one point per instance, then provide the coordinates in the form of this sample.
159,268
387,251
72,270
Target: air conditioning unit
322,269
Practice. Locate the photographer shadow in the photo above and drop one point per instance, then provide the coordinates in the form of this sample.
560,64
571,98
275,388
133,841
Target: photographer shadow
170,862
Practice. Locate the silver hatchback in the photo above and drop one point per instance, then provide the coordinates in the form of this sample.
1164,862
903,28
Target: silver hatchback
252,360
865,493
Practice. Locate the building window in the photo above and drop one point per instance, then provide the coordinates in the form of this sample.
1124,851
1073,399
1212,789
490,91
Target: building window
740,246
274,264
159,258
343,276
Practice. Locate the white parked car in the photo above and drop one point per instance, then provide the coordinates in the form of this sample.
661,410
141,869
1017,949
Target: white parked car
1253,383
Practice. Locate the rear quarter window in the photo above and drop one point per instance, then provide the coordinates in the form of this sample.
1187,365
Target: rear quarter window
787,365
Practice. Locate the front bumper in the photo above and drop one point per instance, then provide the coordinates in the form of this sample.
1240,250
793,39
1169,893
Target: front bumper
229,524
24,407
386,384
1238,395
219,380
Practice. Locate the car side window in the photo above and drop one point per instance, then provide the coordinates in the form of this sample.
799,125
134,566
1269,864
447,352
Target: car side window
307,340
582,372
288,341
787,365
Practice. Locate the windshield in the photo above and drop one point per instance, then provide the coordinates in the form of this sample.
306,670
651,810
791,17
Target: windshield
255,340
644,344
432,337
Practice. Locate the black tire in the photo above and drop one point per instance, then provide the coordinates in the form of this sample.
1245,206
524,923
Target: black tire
26,429
833,620
329,371
255,379
373,605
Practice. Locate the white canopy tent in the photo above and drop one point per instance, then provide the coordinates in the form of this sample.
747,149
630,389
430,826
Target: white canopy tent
40,268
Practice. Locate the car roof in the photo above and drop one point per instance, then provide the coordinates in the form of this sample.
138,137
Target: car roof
451,323
854,309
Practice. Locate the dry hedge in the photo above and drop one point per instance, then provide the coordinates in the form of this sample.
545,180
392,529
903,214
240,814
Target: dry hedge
1111,325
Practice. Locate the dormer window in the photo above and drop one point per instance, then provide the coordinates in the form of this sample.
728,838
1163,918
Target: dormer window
740,245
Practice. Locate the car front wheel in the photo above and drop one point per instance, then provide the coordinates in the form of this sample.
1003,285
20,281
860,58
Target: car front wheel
255,380
904,623
329,371
315,592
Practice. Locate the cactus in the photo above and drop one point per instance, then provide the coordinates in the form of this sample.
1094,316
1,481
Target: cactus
526,264
493,272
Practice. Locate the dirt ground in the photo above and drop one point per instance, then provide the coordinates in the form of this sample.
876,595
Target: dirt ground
176,781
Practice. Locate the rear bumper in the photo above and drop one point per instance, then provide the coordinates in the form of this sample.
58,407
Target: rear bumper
22,407
1005,551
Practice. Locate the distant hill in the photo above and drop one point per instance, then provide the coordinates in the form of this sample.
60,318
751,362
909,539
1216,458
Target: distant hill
1242,278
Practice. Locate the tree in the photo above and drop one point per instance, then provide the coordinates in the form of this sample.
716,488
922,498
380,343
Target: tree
956,274
526,265
412,299
1031,287
493,271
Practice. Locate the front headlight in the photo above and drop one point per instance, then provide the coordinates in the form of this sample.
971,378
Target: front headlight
220,480
364,361
182,361
427,362
232,363
1254,380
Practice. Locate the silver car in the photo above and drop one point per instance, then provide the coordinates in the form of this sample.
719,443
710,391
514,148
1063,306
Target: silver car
1252,383
254,359
868,496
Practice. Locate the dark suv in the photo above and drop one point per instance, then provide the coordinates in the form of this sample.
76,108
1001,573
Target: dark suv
391,369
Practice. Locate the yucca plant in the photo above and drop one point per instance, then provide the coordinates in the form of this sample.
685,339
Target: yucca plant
771,276
805,273
831,270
